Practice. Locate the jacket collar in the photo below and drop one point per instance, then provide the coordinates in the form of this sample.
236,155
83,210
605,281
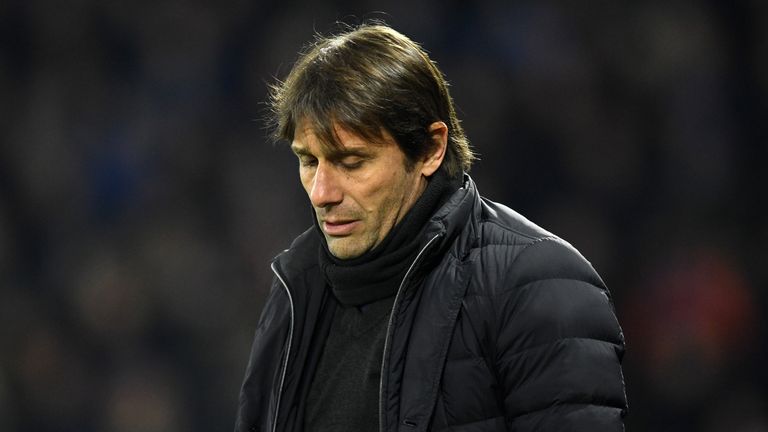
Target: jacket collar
451,220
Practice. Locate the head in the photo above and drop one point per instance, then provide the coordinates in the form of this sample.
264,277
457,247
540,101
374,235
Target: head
370,118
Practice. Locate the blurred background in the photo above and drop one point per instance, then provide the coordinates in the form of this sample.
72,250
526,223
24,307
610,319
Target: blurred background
140,202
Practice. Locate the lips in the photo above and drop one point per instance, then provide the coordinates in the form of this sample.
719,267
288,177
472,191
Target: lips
339,227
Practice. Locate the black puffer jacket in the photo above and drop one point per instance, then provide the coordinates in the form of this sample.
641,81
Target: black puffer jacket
498,326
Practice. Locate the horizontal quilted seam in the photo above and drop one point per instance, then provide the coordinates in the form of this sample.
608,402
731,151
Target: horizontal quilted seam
543,346
571,404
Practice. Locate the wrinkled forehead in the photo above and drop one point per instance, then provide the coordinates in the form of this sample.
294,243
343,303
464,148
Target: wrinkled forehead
333,136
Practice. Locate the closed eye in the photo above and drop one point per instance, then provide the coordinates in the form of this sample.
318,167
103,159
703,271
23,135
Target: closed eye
351,162
307,161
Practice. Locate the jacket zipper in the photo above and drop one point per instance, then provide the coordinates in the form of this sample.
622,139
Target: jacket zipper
287,348
389,328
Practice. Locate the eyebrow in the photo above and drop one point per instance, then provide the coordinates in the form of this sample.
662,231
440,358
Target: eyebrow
334,153
300,151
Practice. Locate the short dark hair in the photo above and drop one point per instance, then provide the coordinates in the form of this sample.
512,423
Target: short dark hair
369,79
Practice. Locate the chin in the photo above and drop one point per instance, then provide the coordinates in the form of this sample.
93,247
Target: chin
342,249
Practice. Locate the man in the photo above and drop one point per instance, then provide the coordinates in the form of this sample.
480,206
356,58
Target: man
413,303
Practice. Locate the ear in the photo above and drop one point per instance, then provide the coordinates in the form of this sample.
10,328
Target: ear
438,133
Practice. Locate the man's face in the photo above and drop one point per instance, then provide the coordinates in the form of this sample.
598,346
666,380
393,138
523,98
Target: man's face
359,191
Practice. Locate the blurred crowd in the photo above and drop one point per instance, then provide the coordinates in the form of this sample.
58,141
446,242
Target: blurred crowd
141,202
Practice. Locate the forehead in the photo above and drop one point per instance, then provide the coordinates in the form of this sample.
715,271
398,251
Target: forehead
337,139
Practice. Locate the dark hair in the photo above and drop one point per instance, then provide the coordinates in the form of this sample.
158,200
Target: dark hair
367,80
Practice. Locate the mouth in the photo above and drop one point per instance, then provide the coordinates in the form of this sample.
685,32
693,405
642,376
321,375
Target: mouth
339,227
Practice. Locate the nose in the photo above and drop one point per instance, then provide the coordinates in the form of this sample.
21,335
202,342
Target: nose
326,190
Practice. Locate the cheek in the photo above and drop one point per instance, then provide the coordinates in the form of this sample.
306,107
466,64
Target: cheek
381,192
391,198
306,179
378,196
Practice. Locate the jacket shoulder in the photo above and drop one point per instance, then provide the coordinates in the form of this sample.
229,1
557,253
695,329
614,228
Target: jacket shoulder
512,251
516,226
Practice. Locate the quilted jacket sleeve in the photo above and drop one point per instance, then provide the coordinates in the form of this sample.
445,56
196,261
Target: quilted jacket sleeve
559,345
